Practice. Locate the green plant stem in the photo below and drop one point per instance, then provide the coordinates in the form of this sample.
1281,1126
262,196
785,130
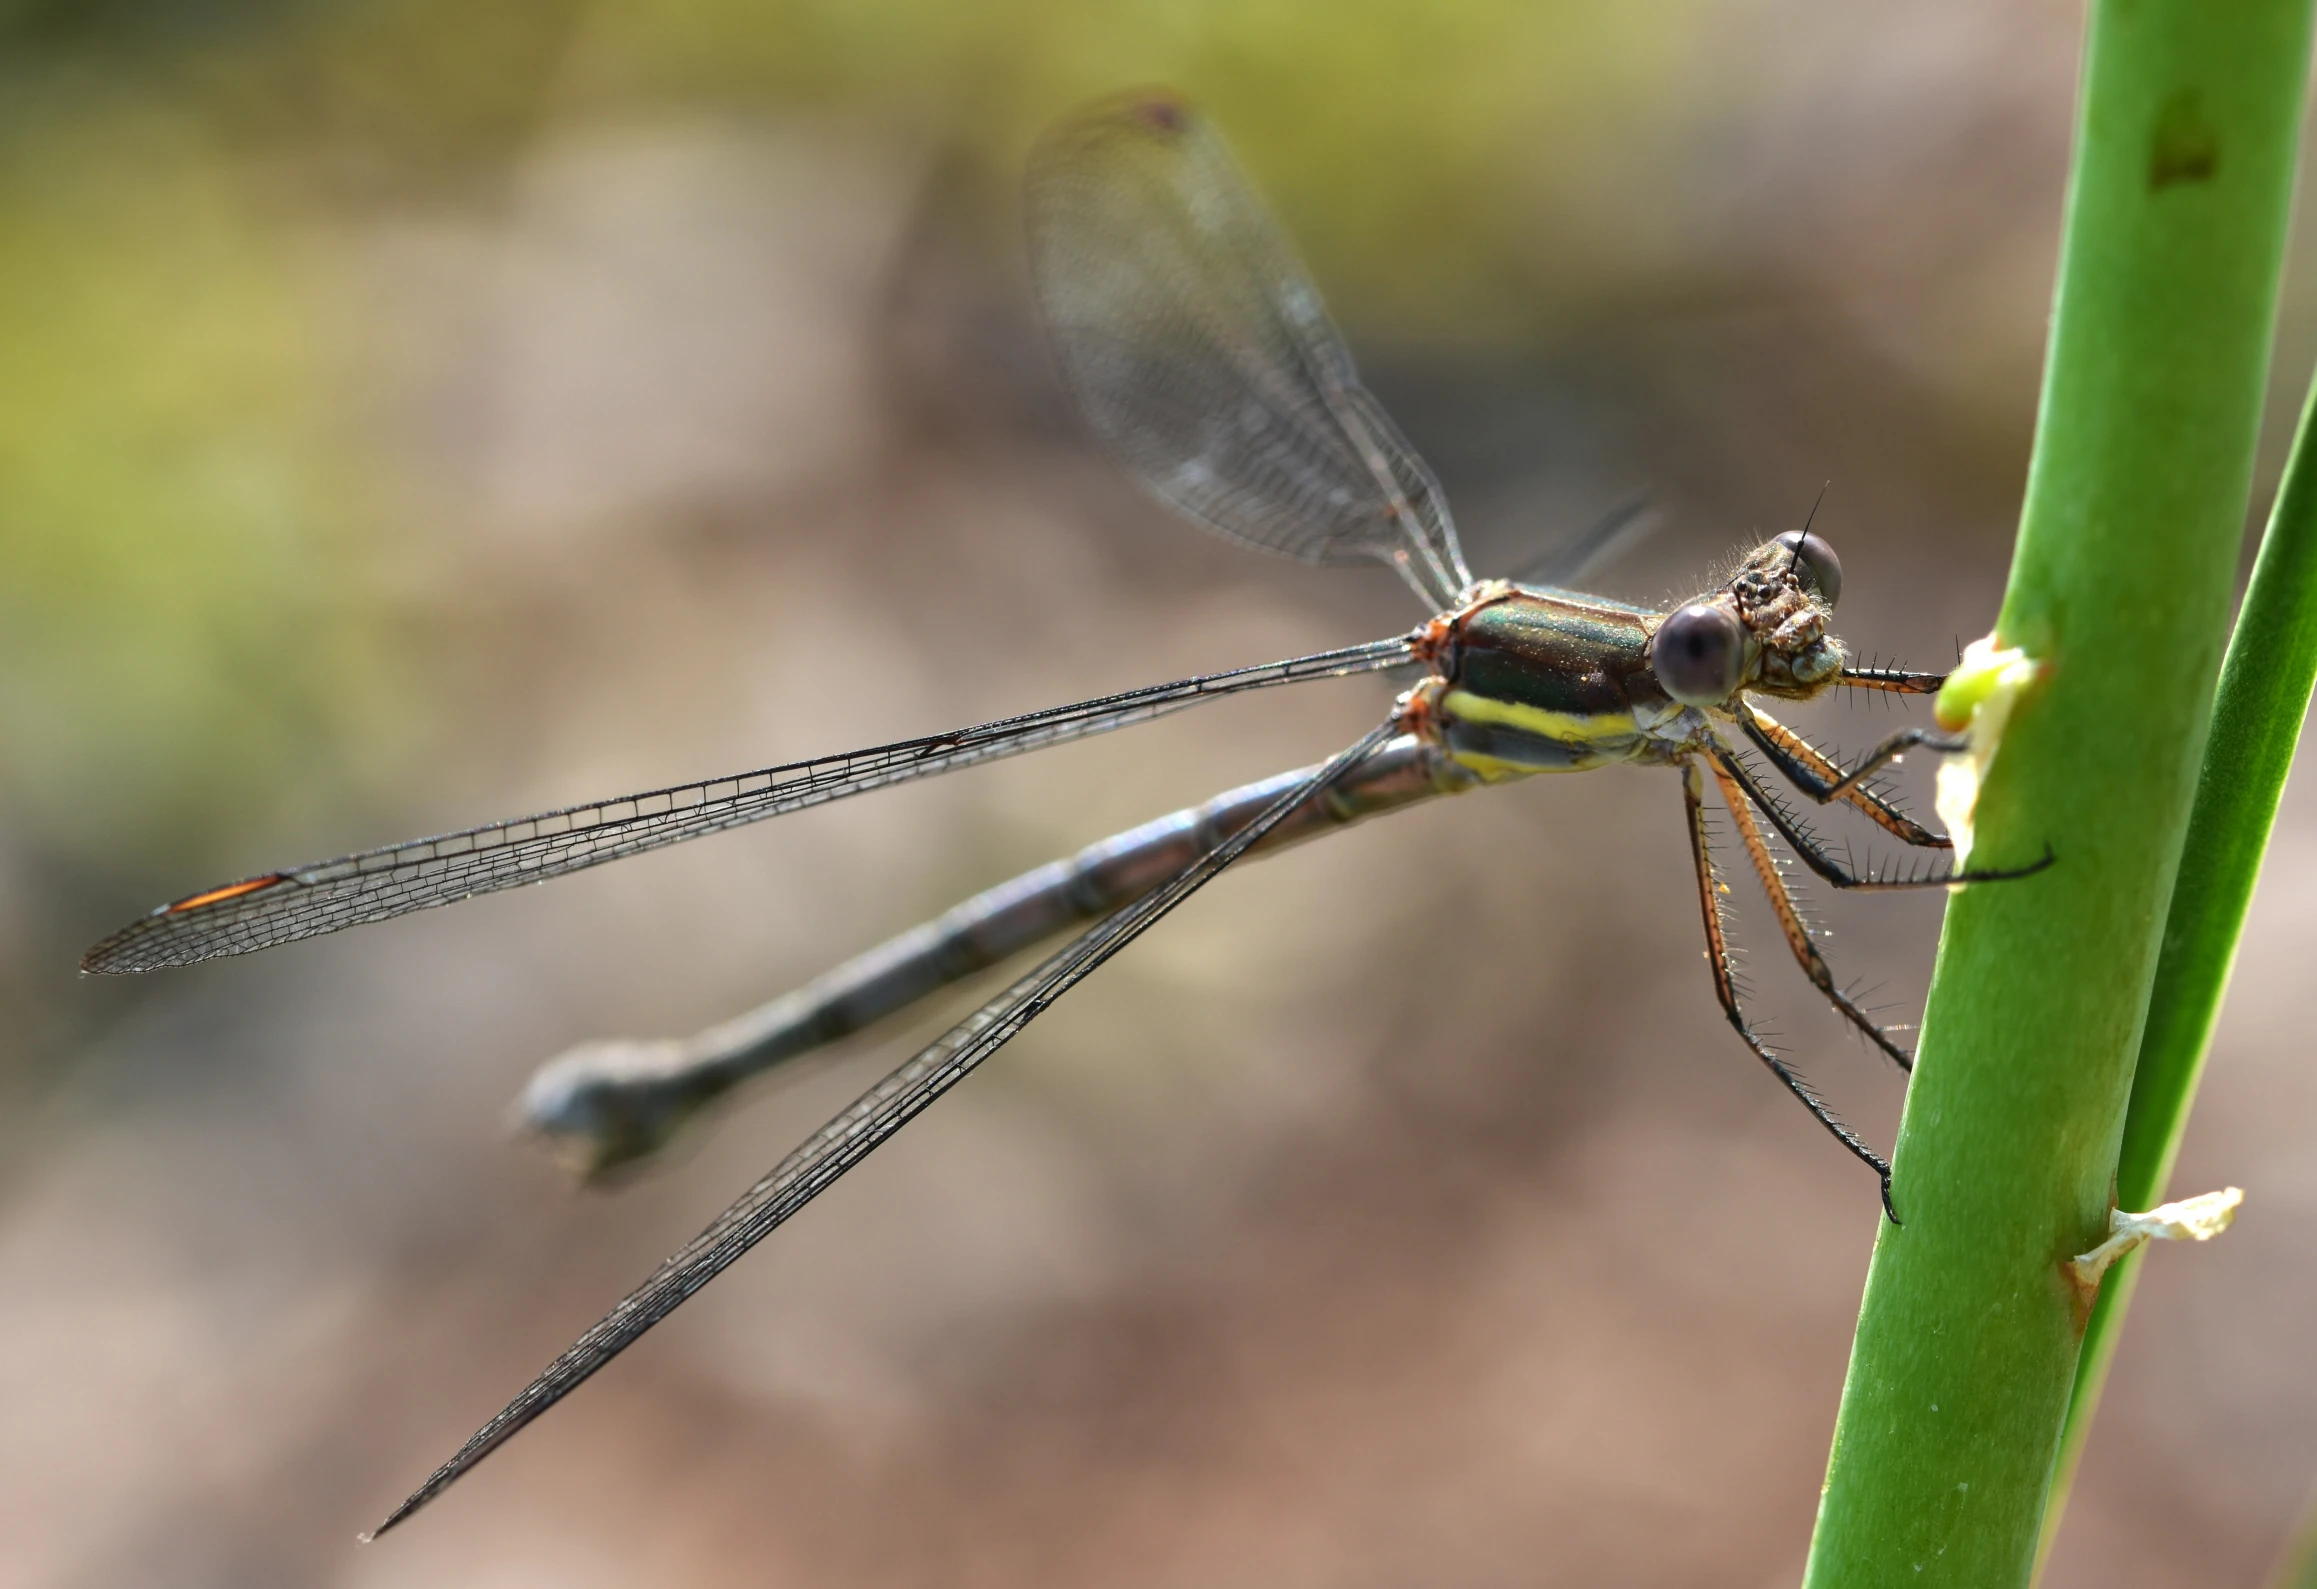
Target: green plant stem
2265,684
1961,1372
2297,1565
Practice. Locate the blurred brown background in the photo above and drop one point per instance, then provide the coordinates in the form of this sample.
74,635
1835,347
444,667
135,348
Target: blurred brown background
414,413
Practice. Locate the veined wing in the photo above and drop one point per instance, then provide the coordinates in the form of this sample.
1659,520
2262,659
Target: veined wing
307,901
1200,352
853,1135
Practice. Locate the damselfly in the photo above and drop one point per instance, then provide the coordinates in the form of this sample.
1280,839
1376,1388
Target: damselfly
1200,353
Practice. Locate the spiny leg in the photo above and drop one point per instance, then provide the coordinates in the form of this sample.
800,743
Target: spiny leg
1693,790
1816,856
1796,930
1893,681
1815,773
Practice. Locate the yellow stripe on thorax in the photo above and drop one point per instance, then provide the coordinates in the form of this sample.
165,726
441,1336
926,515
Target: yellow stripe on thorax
1493,769
1570,728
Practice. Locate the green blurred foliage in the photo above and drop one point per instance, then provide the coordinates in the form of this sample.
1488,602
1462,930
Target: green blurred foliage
180,619
190,472
1401,143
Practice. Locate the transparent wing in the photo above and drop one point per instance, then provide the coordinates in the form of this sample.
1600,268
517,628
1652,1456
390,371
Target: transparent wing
281,907
1200,353
853,1135
1565,566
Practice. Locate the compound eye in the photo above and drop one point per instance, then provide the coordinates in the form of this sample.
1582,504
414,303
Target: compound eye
1815,565
1699,653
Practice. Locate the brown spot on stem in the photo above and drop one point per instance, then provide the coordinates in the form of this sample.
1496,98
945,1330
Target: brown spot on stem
2186,145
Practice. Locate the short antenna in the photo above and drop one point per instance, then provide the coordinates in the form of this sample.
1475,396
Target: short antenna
1794,553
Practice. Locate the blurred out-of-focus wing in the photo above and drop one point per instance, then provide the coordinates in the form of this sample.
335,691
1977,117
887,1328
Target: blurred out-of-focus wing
1200,353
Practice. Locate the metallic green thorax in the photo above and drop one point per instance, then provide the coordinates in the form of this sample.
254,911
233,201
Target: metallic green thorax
1547,681
1534,680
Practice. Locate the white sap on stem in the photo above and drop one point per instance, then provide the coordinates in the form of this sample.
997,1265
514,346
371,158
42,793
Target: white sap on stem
1976,701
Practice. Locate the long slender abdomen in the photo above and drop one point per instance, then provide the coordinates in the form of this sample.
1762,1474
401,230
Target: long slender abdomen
605,1105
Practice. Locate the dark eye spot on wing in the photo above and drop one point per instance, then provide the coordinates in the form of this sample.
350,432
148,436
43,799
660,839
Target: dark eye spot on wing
2186,147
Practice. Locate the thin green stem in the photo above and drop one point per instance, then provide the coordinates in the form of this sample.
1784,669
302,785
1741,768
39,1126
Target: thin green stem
2265,684
2297,1565
1961,1373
